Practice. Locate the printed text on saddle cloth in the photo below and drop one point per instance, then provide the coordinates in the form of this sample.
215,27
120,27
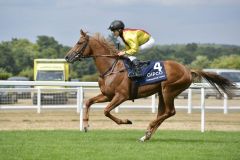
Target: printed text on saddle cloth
158,71
154,72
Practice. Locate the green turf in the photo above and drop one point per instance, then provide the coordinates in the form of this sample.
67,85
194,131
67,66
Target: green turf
120,144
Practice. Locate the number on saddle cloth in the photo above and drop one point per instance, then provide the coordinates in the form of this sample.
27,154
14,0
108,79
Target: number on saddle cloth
153,71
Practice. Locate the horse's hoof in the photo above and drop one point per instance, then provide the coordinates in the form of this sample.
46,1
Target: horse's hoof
143,139
85,129
129,122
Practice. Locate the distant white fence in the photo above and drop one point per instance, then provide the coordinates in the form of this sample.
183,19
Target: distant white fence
79,87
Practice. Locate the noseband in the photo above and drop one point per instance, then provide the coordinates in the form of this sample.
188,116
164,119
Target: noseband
79,54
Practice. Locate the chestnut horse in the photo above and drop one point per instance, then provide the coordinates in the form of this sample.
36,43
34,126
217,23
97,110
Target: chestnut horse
115,84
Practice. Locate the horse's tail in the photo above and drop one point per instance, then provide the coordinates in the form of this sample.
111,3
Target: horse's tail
216,81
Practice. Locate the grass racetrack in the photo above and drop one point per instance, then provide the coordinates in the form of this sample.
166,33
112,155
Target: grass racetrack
54,135
118,144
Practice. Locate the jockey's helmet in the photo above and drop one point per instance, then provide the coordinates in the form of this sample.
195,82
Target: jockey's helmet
116,25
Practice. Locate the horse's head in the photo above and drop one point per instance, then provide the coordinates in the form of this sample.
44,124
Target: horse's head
80,50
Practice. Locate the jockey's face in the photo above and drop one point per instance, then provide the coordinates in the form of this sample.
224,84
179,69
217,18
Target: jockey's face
115,33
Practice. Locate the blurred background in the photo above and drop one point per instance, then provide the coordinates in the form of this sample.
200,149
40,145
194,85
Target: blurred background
200,33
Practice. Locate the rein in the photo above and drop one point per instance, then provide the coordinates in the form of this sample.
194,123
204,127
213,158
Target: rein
93,56
109,71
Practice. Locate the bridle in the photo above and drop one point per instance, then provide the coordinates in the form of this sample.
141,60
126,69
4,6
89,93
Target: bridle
79,55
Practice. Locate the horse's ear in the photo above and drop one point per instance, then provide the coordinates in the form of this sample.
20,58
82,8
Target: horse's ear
83,33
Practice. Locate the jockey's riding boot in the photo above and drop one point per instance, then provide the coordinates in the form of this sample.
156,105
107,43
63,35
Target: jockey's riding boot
136,69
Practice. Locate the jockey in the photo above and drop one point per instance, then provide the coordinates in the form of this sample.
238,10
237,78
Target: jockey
135,40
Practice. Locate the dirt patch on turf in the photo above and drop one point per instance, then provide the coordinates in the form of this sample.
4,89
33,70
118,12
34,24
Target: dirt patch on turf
69,119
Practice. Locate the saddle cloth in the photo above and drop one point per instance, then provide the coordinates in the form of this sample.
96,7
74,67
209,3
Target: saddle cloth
153,72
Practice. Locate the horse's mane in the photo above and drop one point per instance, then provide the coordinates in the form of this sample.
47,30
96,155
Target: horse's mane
106,43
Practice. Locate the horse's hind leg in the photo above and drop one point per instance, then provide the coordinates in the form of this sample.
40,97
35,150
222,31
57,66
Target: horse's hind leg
166,109
117,100
98,99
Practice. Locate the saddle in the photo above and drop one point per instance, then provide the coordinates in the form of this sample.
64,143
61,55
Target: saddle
153,72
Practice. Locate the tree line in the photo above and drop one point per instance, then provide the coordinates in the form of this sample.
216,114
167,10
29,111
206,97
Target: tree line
17,56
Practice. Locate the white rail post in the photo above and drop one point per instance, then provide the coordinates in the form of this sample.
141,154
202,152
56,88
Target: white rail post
0,106
202,110
225,105
80,106
38,100
189,100
153,103
78,99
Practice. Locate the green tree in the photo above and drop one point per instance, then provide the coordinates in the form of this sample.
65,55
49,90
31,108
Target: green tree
84,67
17,55
27,72
229,62
7,61
23,52
4,74
191,47
200,62
50,48
45,42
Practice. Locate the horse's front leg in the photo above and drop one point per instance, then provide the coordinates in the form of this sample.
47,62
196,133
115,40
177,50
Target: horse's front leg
98,99
117,100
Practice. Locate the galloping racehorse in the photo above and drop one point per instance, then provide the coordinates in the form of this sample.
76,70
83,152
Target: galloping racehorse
115,84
